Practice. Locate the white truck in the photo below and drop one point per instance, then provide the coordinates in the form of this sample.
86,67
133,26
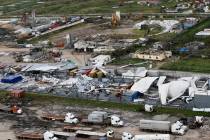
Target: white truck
71,118
101,117
163,126
49,136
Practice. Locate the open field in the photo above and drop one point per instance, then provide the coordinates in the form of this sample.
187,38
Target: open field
192,64
126,61
14,7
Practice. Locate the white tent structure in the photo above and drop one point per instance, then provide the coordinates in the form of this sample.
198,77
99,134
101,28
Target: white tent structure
161,80
173,90
144,84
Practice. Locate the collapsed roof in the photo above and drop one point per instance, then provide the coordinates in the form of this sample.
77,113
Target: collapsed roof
49,67
173,90
144,84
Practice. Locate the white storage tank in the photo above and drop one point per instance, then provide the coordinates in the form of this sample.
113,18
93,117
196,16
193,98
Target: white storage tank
152,137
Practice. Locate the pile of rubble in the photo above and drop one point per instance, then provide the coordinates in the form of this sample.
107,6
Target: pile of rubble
38,54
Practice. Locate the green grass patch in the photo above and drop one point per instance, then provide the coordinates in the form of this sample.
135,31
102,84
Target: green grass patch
139,33
46,99
192,64
189,35
77,6
165,37
121,53
121,61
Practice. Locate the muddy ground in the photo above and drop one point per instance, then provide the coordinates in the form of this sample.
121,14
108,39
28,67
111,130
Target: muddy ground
31,121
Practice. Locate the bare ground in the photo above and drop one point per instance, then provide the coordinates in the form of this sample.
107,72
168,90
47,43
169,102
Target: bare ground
31,121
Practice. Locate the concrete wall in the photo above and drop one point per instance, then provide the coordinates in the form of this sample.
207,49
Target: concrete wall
175,74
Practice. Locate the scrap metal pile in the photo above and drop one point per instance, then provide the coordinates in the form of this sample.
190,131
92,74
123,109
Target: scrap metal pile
38,54
91,82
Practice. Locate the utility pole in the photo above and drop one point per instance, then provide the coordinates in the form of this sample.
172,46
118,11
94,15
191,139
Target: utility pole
33,15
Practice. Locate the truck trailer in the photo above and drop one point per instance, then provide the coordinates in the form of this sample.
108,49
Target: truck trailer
153,125
152,137
102,118
177,128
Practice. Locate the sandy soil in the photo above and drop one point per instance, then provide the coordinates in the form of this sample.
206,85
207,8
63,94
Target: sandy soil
6,55
8,49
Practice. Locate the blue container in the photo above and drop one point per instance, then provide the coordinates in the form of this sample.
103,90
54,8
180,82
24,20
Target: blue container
103,138
134,95
12,79
183,50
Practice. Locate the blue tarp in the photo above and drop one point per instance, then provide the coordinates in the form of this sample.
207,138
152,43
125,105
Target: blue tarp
182,50
12,79
188,25
135,95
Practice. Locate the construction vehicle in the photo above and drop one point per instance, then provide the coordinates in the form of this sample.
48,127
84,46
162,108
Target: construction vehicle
163,126
115,19
10,109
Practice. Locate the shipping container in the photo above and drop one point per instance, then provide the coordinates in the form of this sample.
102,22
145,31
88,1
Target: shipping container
97,117
153,125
